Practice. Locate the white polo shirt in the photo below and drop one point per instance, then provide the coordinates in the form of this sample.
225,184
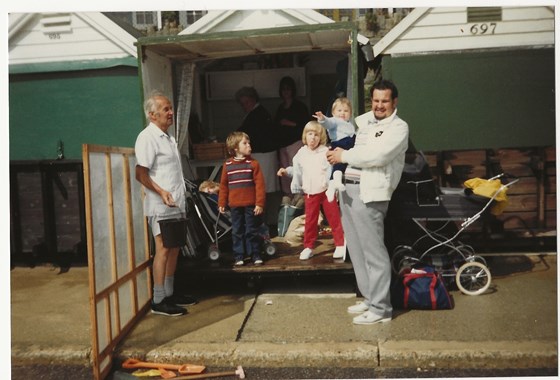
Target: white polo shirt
157,151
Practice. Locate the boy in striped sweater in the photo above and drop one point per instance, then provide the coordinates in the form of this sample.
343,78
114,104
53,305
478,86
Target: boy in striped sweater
242,188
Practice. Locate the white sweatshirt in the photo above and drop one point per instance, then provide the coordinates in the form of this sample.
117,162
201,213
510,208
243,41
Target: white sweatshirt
311,170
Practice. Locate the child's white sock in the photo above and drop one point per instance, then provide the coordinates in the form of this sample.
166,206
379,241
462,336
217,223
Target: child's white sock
337,178
331,190
335,185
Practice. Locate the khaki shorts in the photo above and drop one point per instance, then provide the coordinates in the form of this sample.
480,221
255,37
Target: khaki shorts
154,219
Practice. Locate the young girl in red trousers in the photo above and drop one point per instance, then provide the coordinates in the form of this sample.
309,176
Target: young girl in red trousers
310,174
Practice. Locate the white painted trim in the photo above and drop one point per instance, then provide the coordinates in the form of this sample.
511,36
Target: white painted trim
112,31
212,19
207,22
308,16
17,21
401,27
415,34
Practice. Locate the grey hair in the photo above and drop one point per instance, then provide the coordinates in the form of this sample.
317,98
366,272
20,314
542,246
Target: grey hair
150,102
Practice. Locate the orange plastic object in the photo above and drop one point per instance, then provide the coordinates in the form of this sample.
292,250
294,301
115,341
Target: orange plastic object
183,369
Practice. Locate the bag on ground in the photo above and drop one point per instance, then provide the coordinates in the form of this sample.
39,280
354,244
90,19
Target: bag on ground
286,214
421,288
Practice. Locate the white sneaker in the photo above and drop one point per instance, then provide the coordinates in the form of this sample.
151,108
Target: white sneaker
358,308
369,318
339,252
306,254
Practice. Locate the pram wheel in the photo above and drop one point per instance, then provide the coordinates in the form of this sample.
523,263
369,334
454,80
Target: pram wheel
473,278
213,253
403,256
269,248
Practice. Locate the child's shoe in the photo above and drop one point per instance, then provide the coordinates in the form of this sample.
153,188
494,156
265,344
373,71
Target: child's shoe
339,252
306,254
257,260
239,261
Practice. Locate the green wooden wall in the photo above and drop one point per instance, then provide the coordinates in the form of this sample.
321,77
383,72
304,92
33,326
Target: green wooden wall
92,106
476,100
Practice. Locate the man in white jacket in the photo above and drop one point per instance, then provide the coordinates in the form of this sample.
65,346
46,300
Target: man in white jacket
375,166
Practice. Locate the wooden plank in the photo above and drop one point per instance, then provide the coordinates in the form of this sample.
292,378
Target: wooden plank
30,209
466,157
550,184
431,159
550,218
91,262
465,164
519,220
525,185
518,169
528,222
517,162
550,201
285,260
526,202
550,154
510,156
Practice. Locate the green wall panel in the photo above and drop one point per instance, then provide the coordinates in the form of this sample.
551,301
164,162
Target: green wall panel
94,107
476,100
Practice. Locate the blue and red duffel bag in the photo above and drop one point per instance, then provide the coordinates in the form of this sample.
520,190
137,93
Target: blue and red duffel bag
421,288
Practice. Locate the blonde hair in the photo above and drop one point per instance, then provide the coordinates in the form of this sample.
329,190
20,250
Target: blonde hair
342,101
207,185
233,140
317,128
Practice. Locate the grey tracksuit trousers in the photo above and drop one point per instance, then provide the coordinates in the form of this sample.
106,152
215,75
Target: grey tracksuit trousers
364,231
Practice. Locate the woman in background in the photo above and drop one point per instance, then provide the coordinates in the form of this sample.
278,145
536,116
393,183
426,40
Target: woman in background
290,119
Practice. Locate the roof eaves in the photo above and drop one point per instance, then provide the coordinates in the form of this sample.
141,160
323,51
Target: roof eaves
111,30
401,27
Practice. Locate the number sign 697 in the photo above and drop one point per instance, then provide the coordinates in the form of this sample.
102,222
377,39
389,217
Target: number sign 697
478,29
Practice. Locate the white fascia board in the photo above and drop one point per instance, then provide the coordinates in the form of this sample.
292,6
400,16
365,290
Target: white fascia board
401,27
308,16
207,22
16,21
112,31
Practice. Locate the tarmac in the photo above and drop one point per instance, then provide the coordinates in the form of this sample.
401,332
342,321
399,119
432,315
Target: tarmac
301,322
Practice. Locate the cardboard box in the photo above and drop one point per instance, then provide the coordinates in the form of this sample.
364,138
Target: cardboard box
210,151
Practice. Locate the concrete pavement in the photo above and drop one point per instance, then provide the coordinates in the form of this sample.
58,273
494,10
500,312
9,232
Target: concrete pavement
302,322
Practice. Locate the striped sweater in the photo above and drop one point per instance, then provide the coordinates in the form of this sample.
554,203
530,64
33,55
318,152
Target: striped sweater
242,183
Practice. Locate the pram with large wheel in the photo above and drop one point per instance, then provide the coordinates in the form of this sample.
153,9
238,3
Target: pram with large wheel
214,227
441,215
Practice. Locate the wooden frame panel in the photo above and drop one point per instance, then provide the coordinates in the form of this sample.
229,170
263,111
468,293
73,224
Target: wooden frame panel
118,249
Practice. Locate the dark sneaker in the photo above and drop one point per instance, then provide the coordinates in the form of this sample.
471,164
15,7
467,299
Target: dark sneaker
181,300
165,308
257,260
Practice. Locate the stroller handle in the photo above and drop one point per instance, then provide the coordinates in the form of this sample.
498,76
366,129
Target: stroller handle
514,179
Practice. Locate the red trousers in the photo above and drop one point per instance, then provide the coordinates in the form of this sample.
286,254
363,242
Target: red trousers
313,205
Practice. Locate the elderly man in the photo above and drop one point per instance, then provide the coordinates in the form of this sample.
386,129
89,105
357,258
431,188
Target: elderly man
375,166
159,170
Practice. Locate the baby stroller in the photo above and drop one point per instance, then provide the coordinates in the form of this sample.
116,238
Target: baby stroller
217,227
441,215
